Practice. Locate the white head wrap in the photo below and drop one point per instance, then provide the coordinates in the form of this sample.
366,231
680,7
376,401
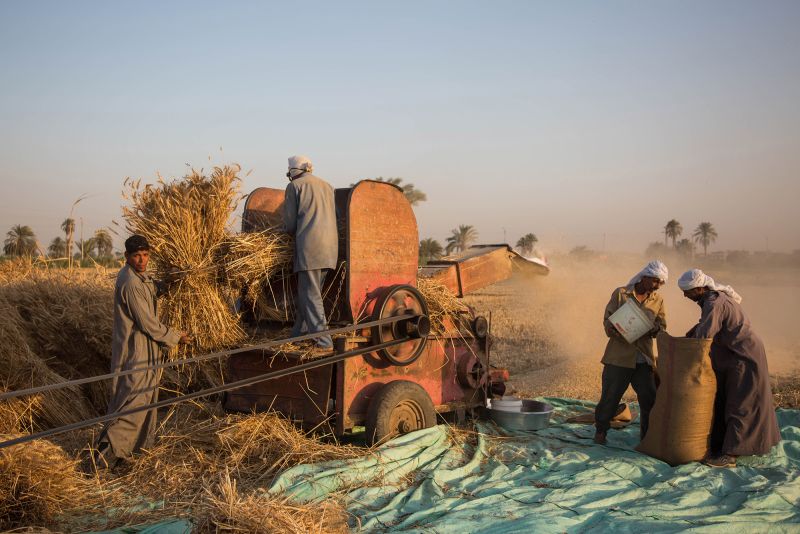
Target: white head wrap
654,269
697,278
299,165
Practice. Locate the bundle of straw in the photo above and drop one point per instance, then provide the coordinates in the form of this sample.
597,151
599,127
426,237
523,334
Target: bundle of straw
185,221
444,308
259,265
39,483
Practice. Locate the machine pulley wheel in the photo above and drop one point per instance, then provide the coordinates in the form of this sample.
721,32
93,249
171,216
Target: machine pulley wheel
399,407
401,300
471,373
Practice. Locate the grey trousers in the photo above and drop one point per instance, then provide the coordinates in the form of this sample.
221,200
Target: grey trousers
616,380
309,310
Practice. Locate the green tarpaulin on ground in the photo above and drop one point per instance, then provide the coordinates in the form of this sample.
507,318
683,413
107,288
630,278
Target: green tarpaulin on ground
554,480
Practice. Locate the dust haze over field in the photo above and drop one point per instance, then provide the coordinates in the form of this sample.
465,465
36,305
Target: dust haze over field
549,329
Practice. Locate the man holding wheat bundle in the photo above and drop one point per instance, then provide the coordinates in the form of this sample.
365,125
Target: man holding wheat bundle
138,341
631,364
309,215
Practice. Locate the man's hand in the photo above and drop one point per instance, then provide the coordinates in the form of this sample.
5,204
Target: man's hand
186,339
655,330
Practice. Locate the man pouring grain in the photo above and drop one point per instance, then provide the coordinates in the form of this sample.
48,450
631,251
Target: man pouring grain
309,215
631,364
138,341
744,416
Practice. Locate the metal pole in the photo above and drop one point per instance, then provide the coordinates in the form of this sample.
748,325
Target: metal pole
220,354
204,393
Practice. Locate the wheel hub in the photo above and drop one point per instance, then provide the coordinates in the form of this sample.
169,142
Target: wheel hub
406,417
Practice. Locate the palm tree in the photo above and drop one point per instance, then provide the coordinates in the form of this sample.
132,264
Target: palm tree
413,195
103,243
461,238
429,249
20,241
57,248
672,229
526,243
69,232
86,247
705,234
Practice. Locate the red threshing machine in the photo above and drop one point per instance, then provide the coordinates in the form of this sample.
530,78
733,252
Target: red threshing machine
389,390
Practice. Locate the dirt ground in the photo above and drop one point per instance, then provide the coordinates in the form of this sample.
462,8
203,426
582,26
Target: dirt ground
549,333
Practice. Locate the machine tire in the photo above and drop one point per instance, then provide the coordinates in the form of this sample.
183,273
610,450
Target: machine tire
398,408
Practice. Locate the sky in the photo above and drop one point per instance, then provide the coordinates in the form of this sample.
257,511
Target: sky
586,123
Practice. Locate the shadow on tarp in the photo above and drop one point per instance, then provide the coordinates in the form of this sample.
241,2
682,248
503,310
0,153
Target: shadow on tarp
554,480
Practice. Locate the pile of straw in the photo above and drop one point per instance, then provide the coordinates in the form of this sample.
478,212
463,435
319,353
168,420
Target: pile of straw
66,318
445,310
20,368
207,466
39,484
185,221
228,510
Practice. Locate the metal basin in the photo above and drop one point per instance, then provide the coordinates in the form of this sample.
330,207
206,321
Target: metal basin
535,415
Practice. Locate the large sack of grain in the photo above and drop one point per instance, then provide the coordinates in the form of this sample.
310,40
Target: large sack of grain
681,420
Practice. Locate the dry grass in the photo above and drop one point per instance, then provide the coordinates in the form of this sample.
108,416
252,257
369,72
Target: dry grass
445,310
229,511
20,368
210,467
39,484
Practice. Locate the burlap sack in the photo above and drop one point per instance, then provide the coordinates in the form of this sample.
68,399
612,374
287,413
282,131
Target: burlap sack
680,422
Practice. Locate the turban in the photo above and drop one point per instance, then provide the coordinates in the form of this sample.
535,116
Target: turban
300,163
135,243
654,269
697,278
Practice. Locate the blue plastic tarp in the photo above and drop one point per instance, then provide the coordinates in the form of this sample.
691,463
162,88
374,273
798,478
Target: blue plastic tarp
554,480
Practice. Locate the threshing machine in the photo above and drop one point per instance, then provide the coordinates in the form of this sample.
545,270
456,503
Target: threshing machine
389,390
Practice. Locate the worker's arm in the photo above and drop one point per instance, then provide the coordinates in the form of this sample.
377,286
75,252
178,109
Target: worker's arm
290,210
711,320
136,299
660,321
613,305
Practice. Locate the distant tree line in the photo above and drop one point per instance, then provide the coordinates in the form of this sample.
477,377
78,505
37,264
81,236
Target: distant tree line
21,241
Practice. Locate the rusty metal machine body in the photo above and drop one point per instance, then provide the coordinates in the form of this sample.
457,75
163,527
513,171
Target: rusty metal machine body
378,254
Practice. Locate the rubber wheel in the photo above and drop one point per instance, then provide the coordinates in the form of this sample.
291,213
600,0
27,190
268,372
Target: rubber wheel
398,408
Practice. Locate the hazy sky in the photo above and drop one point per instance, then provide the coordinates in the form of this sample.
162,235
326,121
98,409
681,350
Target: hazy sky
572,120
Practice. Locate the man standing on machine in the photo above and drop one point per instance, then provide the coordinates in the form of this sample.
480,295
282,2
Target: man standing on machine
310,217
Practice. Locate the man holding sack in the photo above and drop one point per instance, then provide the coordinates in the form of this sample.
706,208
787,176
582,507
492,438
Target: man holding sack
744,416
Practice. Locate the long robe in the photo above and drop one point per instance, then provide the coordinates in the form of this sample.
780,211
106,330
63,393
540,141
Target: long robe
744,415
138,341
309,214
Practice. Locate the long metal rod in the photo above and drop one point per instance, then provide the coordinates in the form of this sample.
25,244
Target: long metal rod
203,393
220,354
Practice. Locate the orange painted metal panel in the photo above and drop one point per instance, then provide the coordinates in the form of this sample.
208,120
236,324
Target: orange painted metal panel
382,243
263,209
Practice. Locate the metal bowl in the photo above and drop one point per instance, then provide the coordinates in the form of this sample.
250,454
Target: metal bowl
535,415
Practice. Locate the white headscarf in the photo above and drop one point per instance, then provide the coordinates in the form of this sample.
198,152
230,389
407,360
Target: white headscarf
654,269
299,165
697,278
